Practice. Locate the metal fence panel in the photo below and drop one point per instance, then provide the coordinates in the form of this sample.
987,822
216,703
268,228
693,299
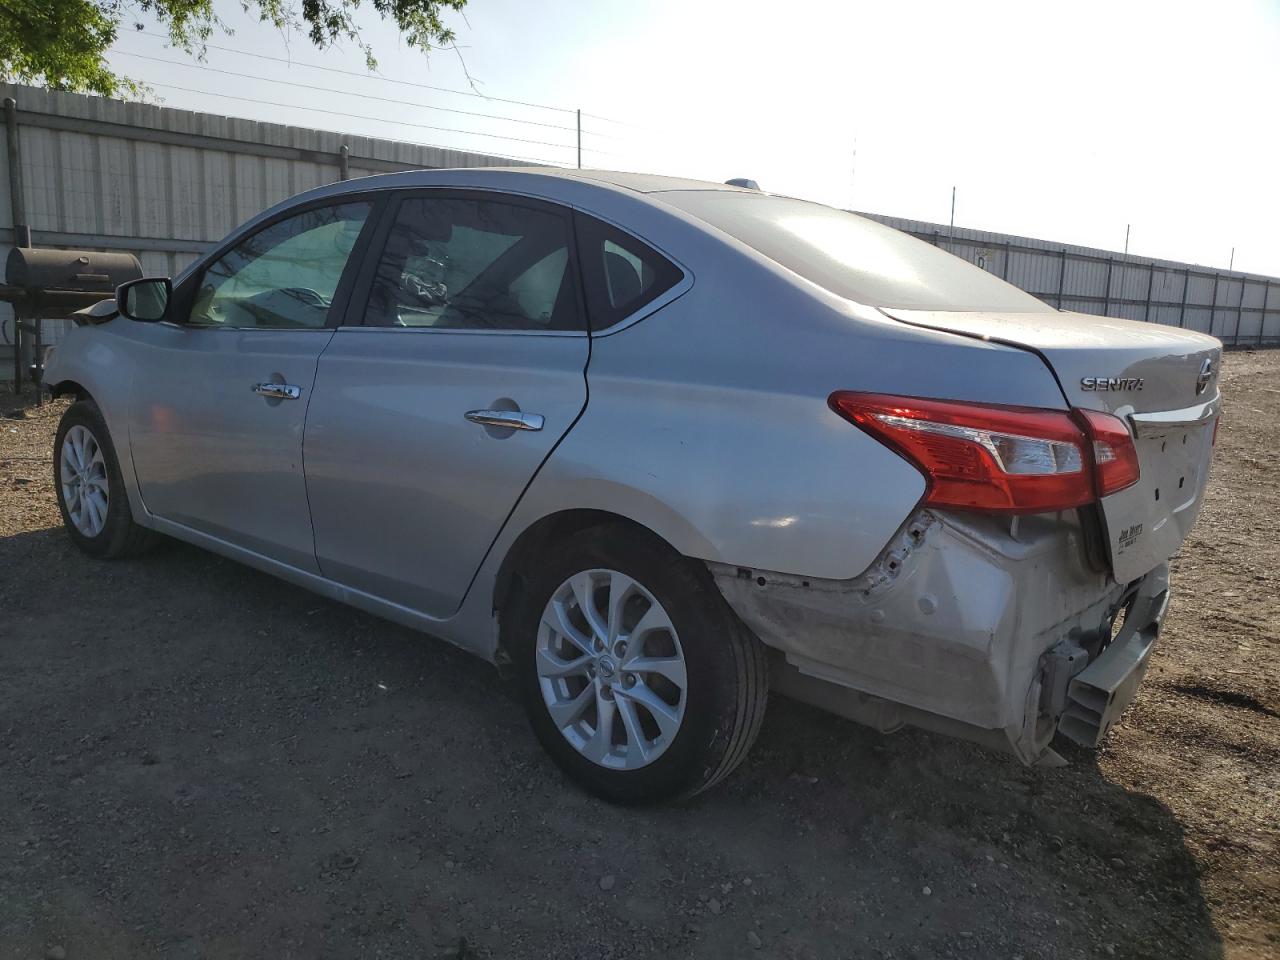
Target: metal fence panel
1241,309
165,184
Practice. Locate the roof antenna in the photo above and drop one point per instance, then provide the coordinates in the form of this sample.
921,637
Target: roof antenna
743,182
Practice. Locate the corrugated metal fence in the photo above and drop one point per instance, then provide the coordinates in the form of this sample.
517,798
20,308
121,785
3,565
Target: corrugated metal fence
1242,309
164,184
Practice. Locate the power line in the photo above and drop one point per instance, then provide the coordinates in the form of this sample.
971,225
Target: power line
351,93
357,116
621,123
366,76
403,123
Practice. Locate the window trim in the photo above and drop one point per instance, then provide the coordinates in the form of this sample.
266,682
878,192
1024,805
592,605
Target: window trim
338,306
357,304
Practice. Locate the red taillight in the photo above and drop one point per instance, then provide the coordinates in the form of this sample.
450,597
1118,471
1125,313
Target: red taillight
998,459
1115,459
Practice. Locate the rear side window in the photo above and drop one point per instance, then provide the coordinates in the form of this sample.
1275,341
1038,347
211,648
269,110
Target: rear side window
621,274
458,263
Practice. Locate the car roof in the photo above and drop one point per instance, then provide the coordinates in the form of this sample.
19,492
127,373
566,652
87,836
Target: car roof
640,182
619,181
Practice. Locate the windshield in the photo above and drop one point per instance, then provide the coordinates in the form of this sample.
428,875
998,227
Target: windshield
851,256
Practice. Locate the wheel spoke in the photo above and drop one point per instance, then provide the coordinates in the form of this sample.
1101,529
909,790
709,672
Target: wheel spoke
662,712
71,449
655,618
552,667
601,742
559,622
565,712
620,588
97,510
584,592
69,471
670,667
635,735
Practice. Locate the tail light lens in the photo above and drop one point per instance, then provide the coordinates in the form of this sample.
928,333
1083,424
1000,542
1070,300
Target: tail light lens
999,459
1115,459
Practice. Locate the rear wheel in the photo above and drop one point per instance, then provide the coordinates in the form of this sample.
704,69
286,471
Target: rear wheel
638,679
91,495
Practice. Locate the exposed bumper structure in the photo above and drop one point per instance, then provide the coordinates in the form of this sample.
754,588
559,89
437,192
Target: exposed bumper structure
993,630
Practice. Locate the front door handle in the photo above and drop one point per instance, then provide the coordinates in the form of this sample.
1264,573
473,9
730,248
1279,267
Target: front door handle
512,419
279,391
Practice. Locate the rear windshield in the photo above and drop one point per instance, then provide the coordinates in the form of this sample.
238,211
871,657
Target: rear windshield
852,256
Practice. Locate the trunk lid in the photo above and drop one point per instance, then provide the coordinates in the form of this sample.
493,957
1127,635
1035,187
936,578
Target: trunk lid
1162,381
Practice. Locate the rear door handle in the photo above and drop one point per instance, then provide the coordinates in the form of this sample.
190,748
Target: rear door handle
513,419
279,391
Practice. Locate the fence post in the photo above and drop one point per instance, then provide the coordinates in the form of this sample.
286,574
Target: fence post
17,201
1106,303
1151,282
1186,285
1262,324
1240,308
1008,252
1062,277
344,162
1213,307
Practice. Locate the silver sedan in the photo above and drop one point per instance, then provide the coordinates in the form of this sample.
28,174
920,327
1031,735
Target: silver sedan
662,446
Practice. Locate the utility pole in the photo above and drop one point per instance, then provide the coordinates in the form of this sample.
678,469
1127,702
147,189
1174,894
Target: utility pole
853,176
1126,237
579,139
1233,259
953,208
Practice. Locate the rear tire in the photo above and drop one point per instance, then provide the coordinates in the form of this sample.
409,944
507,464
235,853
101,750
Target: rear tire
90,490
666,719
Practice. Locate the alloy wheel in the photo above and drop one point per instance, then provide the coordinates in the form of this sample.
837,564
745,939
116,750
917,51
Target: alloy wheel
82,470
611,669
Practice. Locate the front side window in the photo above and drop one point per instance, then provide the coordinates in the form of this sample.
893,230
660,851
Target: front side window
458,263
285,275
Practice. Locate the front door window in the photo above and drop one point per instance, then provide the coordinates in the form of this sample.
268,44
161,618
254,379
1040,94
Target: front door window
284,276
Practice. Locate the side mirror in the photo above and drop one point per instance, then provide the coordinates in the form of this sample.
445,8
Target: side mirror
144,300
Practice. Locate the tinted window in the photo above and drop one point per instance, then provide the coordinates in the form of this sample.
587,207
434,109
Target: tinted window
621,274
852,256
460,263
284,276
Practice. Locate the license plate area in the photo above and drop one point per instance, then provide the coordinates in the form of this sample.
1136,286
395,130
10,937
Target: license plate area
1147,523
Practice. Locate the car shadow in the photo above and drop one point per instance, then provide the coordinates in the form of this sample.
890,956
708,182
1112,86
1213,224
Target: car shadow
200,759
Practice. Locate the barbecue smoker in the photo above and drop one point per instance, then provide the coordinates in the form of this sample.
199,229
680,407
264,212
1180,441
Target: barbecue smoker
51,285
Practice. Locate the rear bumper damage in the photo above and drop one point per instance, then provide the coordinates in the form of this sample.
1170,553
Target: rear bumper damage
993,630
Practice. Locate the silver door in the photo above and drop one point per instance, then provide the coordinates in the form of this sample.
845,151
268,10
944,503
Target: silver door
428,421
217,412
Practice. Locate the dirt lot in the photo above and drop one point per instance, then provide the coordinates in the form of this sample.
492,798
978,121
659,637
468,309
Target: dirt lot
199,761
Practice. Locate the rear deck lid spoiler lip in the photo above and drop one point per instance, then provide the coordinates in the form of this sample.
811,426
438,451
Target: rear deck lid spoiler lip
1162,421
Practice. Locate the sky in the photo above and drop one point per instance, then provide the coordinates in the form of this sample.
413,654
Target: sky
1063,121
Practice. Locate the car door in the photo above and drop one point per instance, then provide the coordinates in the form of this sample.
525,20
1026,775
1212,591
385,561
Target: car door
462,363
216,419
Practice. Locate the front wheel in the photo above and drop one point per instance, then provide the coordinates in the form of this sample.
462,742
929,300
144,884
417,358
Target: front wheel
91,495
638,679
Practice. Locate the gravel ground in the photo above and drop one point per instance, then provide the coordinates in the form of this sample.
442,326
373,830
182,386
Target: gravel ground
199,761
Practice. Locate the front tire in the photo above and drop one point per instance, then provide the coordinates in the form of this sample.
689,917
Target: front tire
90,490
638,679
